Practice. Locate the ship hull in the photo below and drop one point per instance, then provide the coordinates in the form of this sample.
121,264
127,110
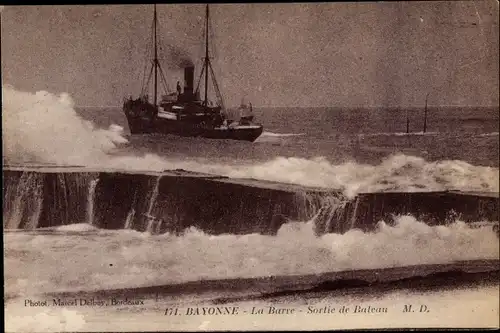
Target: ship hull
153,124
244,133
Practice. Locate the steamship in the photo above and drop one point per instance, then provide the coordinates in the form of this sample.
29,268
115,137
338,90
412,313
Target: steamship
184,113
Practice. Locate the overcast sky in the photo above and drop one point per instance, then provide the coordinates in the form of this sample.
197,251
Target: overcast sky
324,54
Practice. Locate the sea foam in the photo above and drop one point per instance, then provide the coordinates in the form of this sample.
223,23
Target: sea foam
45,128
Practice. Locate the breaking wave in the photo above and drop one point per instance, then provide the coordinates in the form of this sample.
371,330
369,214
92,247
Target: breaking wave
271,134
107,259
45,128
397,172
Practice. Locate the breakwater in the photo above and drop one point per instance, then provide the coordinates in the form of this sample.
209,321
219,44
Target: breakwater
171,201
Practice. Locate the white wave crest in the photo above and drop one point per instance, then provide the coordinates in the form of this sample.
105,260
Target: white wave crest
396,173
271,134
124,259
45,128
489,134
77,227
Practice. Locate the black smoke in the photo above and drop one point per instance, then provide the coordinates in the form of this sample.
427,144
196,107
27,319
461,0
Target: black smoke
176,57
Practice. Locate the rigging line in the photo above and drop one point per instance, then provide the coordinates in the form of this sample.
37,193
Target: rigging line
215,89
149,76
155,93
146,60
165,84
201,46
162,89
150,44
216,86
146,81
162,57
212,37
163,81
161,47
159,79
144,71
199,79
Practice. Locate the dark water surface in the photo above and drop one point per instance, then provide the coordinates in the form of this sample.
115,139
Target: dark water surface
362,135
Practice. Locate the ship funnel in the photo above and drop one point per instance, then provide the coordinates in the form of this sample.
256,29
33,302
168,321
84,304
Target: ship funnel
188,81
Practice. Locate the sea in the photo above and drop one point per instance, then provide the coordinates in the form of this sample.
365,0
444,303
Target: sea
78,277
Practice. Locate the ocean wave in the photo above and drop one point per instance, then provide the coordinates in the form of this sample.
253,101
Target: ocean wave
396,173
45,128
124,259
279,135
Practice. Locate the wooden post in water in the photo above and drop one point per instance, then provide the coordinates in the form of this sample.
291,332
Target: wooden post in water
408,139
407,122
425,113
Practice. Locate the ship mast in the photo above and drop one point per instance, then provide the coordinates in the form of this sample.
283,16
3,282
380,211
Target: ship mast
207,68
206,57
155,61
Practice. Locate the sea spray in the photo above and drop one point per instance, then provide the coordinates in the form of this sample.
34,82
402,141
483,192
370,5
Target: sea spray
142,259
45,128
24,202
395,173
14,220
41,199
158,227
152,200
131,213
354,214
271,134
335,218
328,211
63,200
130,218
38,198
90,201
30,122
